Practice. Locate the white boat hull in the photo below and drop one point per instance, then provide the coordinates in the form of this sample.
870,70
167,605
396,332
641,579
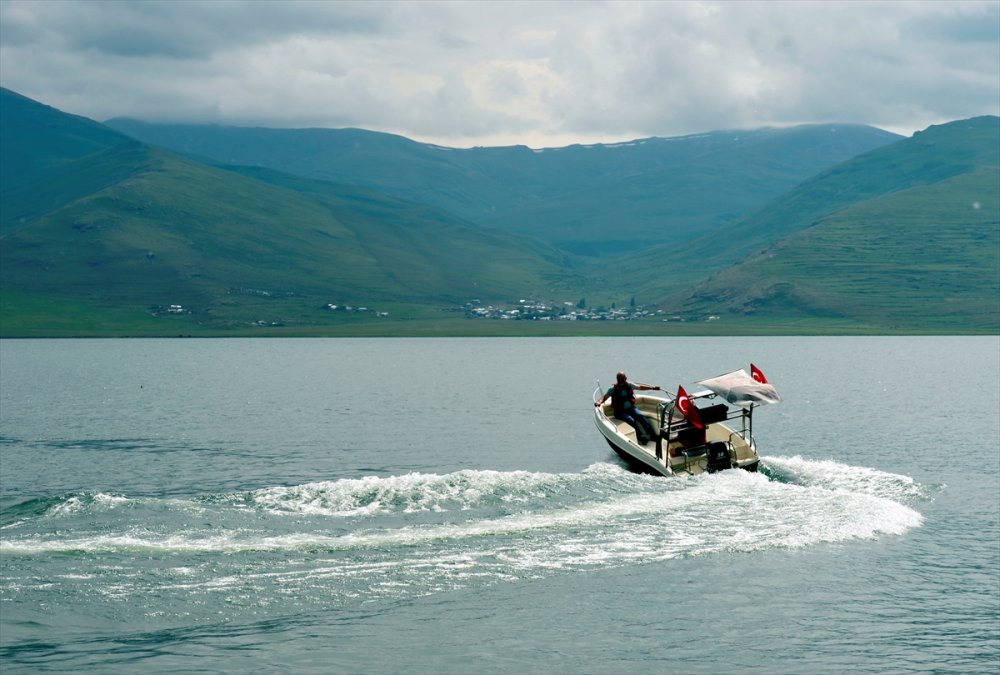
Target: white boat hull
676,454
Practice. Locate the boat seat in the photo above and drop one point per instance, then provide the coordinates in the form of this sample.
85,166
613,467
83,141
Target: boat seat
627,430
624,427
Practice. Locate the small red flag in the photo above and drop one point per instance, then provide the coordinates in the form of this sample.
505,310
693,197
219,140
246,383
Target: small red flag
688,408
757,374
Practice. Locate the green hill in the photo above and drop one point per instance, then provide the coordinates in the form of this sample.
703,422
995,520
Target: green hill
49,158
146,240
594,200
903,237
101,234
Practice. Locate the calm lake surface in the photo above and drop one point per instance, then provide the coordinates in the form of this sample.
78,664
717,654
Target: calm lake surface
447,506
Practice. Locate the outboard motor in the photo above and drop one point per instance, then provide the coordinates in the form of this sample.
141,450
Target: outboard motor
718,457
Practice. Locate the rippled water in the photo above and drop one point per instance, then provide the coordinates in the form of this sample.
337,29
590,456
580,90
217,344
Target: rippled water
447,506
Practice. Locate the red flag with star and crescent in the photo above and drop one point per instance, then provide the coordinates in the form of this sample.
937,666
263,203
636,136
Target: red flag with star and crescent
688,408
757,374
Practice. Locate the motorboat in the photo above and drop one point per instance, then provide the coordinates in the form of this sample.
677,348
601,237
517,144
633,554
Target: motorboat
708,430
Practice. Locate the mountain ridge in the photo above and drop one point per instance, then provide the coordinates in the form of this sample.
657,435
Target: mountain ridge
150,229
103,234
570,197
920,219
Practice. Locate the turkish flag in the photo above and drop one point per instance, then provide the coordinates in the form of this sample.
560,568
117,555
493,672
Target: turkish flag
757,375
688,408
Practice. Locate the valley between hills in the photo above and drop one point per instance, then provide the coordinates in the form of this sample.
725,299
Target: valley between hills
126,228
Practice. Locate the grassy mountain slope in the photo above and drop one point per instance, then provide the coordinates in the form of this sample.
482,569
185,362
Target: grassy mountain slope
906,236
935,154
42,171
671,190
154,229
594,200
101,234
428,249
215,242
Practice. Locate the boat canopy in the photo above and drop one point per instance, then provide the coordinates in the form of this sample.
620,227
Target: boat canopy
739,389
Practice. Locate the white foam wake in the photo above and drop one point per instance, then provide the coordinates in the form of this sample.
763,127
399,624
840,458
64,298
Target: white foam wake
844,477
423,493
363,539
551,518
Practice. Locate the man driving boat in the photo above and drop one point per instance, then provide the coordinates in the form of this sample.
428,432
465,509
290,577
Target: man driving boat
622,396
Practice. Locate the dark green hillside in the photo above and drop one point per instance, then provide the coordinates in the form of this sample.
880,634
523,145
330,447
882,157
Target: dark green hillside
135,230
906,237
67,137
103,235
926,257
628,197
596,200
49,158
216,243
427,249
928,157
385,162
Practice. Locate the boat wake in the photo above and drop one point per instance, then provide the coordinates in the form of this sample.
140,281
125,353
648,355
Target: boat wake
365,539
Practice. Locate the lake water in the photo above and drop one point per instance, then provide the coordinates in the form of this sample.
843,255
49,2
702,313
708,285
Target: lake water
447,506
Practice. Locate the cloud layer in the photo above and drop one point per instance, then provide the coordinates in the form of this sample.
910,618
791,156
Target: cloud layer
491,73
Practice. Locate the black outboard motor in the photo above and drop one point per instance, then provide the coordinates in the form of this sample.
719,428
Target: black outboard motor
718,457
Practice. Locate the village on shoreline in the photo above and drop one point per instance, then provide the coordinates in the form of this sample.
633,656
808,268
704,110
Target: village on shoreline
534,310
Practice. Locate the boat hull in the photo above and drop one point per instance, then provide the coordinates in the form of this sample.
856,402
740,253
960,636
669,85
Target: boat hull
635,464
669,458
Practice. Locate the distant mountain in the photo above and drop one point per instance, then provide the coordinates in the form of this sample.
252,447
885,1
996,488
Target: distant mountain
903,237
596,200
103,234
109,231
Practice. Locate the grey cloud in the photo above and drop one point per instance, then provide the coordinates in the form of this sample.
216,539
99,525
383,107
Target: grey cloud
186,28
976,23
498,72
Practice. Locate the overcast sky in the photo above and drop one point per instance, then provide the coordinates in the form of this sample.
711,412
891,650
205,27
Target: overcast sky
541,74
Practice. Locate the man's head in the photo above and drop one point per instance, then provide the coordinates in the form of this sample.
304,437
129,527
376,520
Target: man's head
621,378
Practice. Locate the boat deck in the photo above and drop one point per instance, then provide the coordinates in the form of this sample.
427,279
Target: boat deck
674,450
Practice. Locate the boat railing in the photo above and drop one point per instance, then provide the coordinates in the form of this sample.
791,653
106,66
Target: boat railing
692,457
672,430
